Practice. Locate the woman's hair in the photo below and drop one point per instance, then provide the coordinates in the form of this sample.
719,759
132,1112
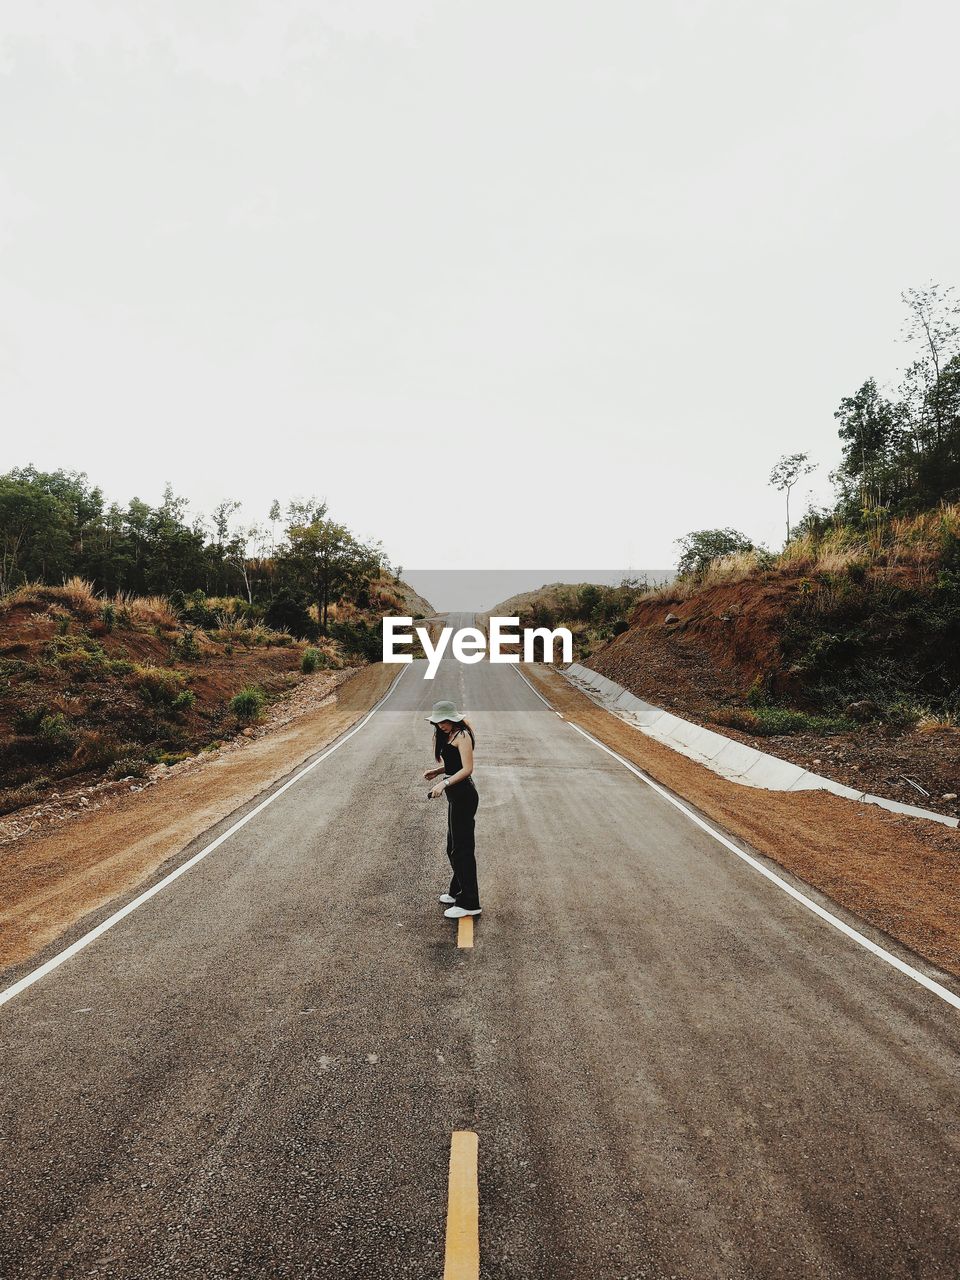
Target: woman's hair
440,738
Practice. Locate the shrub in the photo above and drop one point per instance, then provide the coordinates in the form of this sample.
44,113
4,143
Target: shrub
108,616
359,639
767,722
170,758
758,695
247,633
149,611
80,665
772,721
158,686
698,550
79,595
184,701
28,719
55,731
290,612
185,646
95,750
68,644
312,658
904,713
248,703
235,607
197,610
27,793
80,655
76,594
10,667
128,767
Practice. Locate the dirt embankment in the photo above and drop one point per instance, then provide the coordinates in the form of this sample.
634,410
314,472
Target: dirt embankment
902,875
86,693
725,656
95,689
76,860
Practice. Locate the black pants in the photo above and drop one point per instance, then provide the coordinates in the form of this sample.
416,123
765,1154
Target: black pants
462,801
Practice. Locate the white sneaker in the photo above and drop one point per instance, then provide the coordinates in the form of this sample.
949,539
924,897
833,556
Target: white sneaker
446,897
454,913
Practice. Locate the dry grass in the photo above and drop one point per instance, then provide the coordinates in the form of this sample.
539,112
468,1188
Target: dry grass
78,598
148,611
385,600
77,595
240,630
906,540
934,721
227,605
842,559
674,592
734,567
911,541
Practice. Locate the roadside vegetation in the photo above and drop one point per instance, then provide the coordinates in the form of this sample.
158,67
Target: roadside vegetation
840,650
869,590
592,613
133,638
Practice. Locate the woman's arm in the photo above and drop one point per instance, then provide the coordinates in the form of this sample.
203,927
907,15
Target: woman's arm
466,757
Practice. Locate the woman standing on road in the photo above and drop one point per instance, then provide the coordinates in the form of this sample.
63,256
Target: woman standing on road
453,742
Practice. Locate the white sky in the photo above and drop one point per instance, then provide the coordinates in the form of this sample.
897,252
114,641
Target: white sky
586,269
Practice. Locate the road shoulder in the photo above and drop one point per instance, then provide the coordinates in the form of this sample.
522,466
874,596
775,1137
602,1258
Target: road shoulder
900,875
55,879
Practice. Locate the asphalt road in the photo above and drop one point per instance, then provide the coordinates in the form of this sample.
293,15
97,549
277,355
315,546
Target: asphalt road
673,1068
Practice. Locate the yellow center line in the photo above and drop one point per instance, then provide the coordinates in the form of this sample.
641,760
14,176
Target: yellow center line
462,1257
465,932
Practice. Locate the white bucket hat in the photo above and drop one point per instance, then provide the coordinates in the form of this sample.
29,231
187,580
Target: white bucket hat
444,711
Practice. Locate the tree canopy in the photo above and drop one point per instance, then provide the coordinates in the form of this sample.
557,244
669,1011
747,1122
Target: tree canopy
56,525
901,450
697,549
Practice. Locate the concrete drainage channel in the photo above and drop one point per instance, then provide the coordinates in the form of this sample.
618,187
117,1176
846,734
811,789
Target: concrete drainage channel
724,756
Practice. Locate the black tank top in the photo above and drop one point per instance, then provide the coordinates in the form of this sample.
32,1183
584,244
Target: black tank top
451,758
452,763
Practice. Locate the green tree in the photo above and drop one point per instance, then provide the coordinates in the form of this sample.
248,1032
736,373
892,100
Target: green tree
699,548
787,472
173,550
902,454
324,558
35,533
933,324
872,437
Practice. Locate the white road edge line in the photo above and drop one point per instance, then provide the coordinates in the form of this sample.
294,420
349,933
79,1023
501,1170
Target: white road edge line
63,956
945,994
